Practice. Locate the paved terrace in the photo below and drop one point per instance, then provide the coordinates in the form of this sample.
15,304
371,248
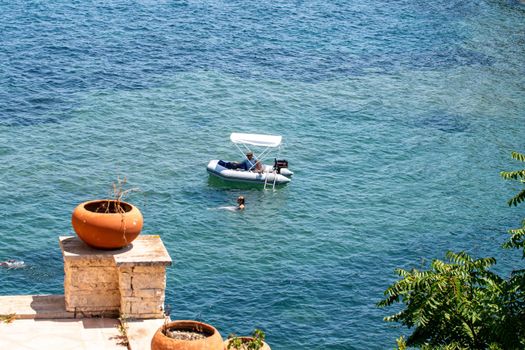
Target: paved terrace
98,285
42,323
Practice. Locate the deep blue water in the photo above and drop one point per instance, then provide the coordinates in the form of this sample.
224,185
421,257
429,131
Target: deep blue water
397,117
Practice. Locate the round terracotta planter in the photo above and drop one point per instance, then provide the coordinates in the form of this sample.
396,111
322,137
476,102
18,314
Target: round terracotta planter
213,340
227,342
106,230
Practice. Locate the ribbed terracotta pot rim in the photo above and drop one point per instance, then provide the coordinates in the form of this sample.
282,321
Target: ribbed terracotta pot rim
90,206
189,325
213,340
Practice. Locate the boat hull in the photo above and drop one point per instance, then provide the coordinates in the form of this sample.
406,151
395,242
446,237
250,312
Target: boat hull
268,176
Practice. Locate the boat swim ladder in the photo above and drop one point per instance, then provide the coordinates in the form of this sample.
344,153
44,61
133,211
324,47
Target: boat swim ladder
274,172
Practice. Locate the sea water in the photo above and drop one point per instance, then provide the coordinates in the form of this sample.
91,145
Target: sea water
397,117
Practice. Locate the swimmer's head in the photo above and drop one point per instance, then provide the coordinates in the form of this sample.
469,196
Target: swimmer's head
240,200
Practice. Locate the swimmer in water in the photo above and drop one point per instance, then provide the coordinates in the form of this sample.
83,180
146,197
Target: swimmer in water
240,203
12,264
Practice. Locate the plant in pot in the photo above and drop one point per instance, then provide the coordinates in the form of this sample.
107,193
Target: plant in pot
255,342
108,223
187,335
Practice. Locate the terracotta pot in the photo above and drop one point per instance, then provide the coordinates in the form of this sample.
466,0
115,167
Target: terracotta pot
101,228
213,340
247,339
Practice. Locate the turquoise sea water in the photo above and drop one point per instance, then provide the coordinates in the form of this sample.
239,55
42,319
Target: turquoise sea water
397,117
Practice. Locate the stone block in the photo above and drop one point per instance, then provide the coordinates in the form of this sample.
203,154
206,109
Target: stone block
89,261
150,269
147,281
97,287
124,278
136,308
132,280
151,293
147,307
93,276
92,302
93,299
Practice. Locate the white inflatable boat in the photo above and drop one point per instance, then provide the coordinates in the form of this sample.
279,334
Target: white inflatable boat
268,175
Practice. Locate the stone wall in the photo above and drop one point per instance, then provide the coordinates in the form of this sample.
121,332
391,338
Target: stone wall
130,281
142,291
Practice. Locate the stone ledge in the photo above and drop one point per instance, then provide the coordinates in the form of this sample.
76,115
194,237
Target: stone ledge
146,250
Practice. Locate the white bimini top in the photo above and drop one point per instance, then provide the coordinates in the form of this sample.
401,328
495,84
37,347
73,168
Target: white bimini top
256,139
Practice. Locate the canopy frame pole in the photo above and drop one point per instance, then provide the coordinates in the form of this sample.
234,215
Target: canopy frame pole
246,150
259,158
263,154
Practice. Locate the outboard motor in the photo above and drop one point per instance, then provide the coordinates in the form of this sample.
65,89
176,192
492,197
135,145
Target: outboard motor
281,166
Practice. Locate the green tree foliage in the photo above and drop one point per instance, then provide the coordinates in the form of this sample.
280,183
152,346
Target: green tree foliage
459,303
517,236
452,304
